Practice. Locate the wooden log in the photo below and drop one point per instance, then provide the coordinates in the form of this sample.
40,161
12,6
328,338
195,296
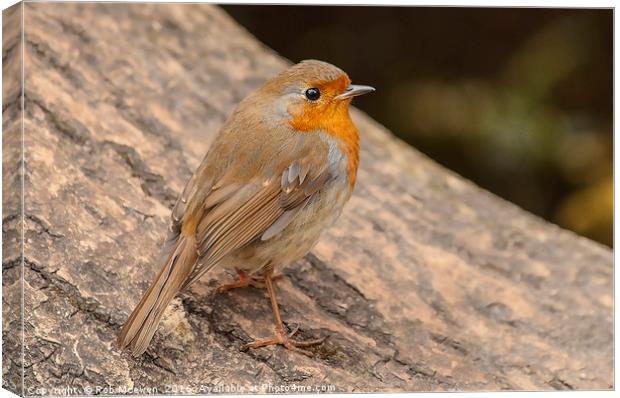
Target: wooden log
426,283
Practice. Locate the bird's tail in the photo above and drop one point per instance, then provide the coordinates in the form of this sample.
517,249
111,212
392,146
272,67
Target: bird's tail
140,327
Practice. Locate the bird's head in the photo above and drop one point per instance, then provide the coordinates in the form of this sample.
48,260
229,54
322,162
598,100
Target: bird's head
313,96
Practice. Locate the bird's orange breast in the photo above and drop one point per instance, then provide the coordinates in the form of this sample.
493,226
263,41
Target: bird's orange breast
334,120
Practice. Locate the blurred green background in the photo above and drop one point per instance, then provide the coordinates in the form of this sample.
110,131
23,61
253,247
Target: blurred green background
518,100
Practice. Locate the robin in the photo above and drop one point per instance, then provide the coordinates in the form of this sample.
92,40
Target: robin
279,172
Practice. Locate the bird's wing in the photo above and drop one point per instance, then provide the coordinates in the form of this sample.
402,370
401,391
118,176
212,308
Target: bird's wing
234,214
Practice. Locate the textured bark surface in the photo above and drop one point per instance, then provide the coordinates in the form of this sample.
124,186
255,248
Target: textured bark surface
426,283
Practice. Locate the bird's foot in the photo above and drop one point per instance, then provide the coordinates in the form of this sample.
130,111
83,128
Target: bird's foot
284,339
246,280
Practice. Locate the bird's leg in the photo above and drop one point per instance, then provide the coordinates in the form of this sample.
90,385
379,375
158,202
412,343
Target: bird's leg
281,337
246,280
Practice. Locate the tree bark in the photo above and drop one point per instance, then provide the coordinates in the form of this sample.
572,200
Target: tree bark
426,283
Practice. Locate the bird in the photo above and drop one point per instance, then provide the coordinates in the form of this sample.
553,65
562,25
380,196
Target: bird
278,173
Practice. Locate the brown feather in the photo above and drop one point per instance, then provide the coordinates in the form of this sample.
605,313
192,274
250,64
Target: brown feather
139,329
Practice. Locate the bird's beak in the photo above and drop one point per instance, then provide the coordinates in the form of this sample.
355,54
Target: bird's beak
353,91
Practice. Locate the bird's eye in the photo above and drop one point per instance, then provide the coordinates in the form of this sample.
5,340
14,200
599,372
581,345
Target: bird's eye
313,94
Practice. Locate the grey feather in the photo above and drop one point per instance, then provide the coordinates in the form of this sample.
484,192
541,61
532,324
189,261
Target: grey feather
280,223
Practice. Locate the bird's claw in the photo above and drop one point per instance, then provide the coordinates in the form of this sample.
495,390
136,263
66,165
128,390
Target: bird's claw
284,339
